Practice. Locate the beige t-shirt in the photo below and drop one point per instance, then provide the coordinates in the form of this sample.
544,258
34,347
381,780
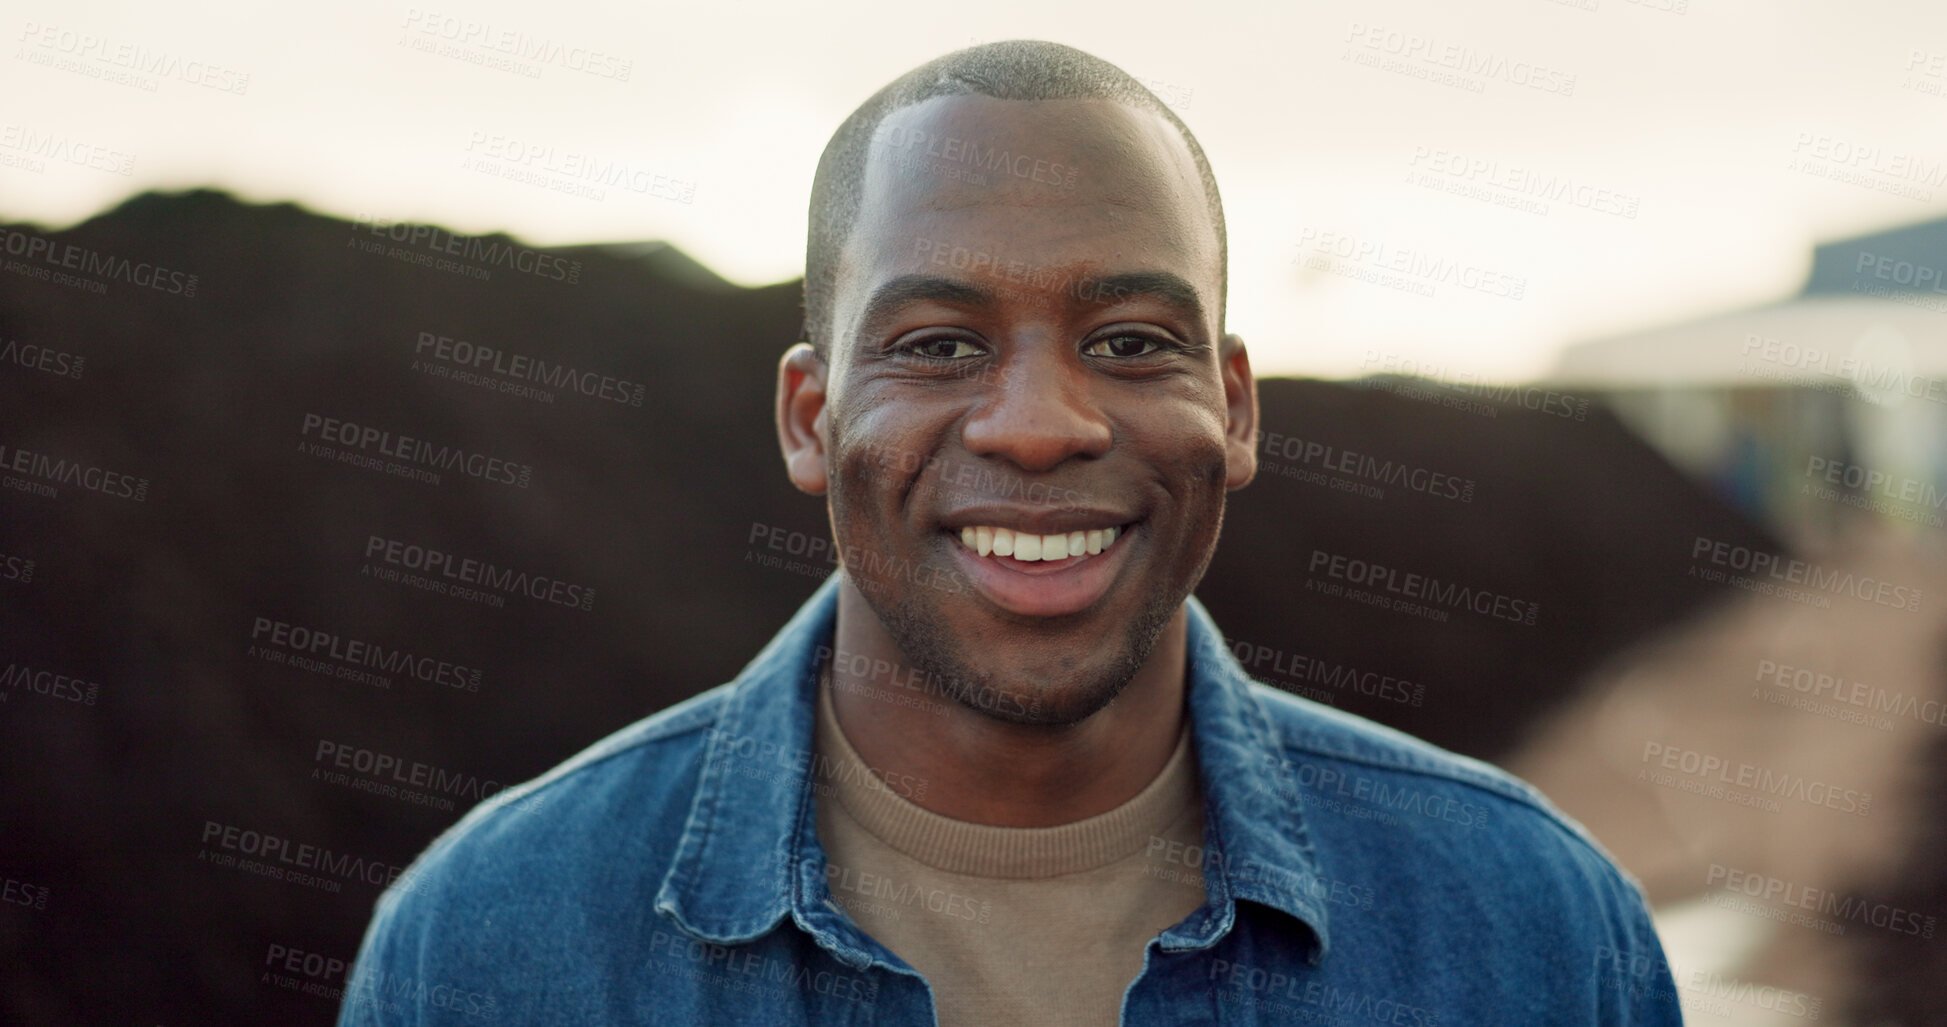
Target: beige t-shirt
1040,925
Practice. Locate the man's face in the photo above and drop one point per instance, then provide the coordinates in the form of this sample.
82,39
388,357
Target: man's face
1025,343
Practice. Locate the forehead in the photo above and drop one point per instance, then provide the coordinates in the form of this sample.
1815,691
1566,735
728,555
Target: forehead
1075,185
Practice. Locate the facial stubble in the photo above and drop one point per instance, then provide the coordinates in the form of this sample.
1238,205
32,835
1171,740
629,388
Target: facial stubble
912,614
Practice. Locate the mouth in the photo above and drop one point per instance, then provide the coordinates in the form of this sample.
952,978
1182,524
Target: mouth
1042,575
1025,547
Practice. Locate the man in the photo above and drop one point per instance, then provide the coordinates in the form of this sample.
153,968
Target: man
1001,768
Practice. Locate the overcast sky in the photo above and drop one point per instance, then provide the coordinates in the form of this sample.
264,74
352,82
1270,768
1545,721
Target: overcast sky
1469,185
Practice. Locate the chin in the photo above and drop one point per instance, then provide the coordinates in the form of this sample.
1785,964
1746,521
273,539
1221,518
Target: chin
1061,707
1033,681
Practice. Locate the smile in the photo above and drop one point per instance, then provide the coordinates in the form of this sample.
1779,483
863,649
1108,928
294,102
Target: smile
1034,574
1028,548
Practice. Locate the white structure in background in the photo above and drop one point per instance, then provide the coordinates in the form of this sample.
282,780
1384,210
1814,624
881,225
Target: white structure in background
1796,410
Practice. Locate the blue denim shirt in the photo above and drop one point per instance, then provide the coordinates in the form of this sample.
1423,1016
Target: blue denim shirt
672,874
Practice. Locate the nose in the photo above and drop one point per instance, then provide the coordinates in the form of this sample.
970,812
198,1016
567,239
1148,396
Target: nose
1038,412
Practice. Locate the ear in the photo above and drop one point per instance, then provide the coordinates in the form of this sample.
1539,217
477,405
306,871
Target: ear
1240,407
801,378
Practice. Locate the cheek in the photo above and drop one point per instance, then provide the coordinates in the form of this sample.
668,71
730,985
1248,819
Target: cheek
1190,444
868,451
898,428
859,504
1195,476
880,456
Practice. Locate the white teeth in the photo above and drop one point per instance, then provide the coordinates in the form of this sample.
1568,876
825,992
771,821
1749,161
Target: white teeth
1020,545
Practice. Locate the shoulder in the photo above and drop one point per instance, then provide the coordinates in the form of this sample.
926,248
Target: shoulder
638,769
1431,852
543,861
1354,775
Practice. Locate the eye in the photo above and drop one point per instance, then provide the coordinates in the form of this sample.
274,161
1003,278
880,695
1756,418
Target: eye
942,349
1124,346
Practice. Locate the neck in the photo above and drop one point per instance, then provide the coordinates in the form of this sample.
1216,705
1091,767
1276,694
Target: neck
984,770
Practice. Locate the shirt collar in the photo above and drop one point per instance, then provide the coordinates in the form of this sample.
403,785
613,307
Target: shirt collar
732,877
1259,849
735,873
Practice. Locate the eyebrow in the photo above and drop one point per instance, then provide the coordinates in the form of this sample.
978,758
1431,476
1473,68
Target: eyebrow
889,298
1163,285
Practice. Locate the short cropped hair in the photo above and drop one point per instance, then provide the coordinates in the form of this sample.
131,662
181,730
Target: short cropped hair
1013,70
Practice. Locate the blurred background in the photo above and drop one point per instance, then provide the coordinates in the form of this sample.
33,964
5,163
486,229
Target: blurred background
1655,288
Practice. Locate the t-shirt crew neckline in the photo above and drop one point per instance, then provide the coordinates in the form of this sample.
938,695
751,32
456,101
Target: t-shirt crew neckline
985,850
